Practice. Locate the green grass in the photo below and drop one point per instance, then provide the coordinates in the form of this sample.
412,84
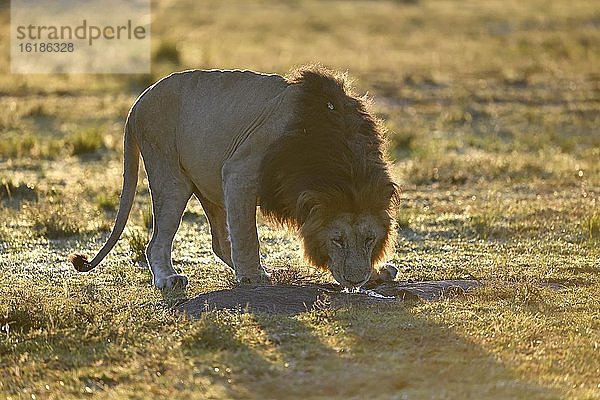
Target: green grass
55,225
592,226
107,201
493,113
86,141
27,145
137,240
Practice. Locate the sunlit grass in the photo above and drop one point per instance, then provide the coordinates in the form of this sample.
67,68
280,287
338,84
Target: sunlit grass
592,226
86,141
492,114
137,239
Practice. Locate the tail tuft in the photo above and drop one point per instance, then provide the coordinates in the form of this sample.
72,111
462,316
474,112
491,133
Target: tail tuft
80,262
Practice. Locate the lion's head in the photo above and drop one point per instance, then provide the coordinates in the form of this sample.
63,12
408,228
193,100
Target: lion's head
327,178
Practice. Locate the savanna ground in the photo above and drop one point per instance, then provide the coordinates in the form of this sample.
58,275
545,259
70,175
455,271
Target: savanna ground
493,112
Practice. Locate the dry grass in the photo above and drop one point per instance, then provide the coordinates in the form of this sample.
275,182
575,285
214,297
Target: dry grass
493,115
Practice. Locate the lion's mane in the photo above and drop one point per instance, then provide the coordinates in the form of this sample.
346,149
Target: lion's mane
329,162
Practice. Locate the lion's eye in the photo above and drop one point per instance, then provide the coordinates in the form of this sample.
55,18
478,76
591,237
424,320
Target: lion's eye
339,242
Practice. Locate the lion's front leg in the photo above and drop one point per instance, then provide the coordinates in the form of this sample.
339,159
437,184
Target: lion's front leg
240,205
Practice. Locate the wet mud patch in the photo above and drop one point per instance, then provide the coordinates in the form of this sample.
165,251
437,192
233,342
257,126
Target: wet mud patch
295,299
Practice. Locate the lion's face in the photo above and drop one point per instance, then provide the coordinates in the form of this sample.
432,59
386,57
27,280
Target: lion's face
348,245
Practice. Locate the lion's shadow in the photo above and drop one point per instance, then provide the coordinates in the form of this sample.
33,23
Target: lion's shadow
302,354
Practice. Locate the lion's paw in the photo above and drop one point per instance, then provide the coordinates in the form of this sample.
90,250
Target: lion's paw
172,282
259,279
388,272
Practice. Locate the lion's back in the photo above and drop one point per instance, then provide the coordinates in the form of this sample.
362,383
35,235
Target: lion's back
207,99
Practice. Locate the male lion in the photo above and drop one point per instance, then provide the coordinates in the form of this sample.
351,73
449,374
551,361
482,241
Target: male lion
304,148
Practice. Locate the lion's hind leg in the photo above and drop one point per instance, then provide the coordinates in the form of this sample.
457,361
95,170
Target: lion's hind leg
170,193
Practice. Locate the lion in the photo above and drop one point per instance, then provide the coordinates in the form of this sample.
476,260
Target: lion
303,148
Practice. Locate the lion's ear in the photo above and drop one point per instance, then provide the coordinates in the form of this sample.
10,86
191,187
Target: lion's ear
306,204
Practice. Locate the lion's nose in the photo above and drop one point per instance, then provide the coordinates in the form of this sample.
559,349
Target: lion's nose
356,281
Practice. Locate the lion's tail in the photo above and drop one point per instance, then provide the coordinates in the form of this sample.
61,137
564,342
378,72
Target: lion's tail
131,161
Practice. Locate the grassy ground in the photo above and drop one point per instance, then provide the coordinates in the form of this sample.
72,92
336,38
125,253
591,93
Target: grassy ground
493,111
